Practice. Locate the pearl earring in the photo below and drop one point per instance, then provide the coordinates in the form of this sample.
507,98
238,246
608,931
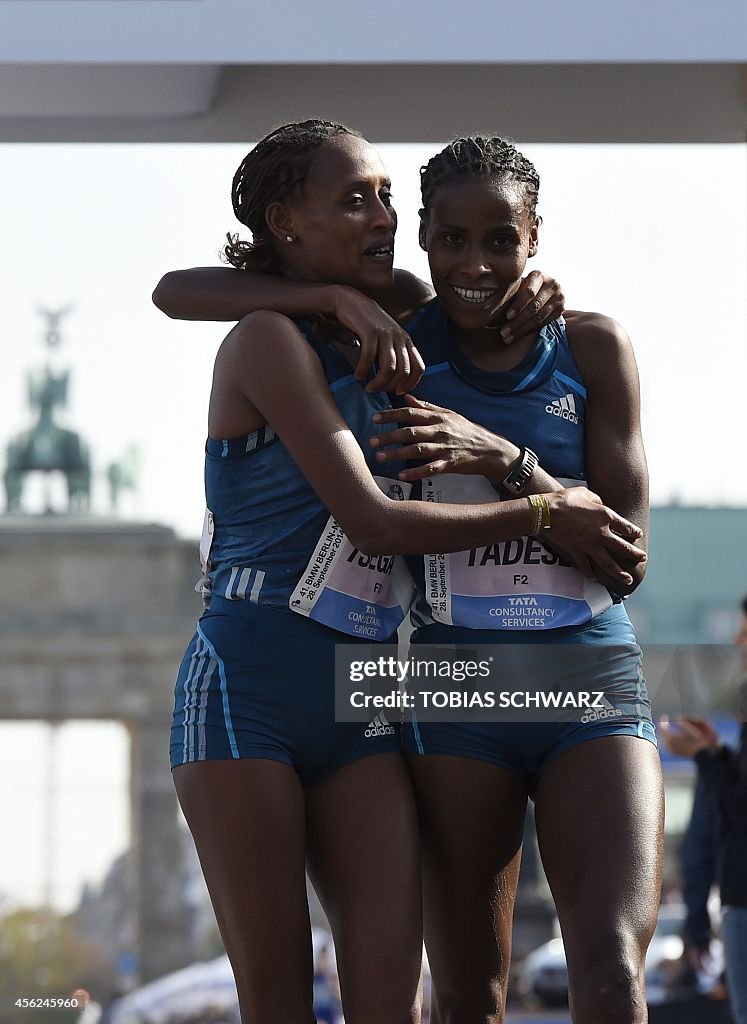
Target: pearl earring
289,238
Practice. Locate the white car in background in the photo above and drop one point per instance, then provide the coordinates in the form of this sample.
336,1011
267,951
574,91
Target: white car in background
544,972
191,991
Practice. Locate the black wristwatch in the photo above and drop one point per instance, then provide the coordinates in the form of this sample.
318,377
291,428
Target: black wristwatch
521,471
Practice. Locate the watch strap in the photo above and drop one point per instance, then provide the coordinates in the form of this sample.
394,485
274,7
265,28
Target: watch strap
521,471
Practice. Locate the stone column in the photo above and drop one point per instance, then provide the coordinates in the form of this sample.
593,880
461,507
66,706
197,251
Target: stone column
157,848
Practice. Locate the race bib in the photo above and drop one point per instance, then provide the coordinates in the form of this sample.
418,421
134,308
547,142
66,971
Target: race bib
203,585
363,595
514,584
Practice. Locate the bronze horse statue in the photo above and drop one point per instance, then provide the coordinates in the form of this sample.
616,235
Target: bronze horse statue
47,447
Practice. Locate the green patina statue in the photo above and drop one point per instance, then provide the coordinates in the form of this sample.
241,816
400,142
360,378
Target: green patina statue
46,446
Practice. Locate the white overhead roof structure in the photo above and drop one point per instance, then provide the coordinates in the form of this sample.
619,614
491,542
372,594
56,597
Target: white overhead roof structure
228,70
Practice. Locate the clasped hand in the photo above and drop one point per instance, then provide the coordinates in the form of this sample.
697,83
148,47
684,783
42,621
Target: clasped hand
443,440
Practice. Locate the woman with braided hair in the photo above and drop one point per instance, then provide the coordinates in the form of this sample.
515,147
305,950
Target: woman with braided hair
374,316
568,400
269,782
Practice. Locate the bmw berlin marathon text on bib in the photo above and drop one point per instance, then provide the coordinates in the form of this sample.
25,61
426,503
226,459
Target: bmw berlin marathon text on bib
363,595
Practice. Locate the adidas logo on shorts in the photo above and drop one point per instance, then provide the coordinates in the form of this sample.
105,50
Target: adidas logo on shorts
600,714
564,408
379,727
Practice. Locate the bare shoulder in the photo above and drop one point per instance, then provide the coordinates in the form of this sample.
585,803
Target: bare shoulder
585,327
265,344
261,323
598,342
264,333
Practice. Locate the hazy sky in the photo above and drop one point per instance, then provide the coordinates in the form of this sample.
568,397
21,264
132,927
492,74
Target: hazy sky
652,235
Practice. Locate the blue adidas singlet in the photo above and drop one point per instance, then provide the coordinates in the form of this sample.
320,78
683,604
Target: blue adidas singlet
257,680
516,592
540,403
274,543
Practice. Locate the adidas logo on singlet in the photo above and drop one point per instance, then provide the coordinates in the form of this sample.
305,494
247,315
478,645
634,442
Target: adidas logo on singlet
565,408
379,727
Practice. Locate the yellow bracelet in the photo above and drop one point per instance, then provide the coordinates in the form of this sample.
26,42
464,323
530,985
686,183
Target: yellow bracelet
540,512
535,513
545,524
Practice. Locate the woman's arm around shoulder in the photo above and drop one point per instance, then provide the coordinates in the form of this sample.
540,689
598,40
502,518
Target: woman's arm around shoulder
223,293
219,293
615,458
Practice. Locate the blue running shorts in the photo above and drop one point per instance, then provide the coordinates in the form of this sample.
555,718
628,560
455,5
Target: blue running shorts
526,747
259,682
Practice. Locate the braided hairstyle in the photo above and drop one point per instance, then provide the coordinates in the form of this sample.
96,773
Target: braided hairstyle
480,156
278,164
